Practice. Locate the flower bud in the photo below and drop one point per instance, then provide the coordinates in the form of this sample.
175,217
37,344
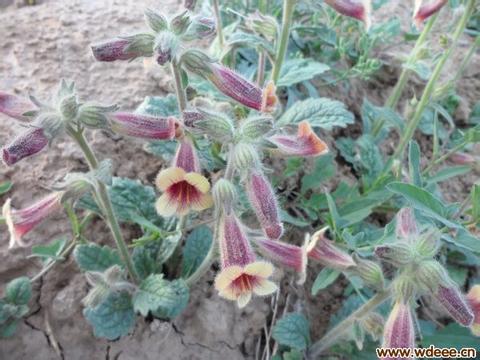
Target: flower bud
370,272
190,4
245,157
266,26
201,27
216,125
399,331
20,222
16,107
230,83
30,142
306,143
406,225
264,202
399,254
143,126
473,298
124,48
433,279
373,323
358,9
286,255
180,23
186,156
95,116
324,250
155,21
461,158
428,244
424,11
166,47
224,195
403,286
255,127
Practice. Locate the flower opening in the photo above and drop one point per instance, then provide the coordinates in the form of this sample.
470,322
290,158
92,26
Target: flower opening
324,250
15,106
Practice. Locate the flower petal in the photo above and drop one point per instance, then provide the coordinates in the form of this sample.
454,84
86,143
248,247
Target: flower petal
226,276
204,202
264,287
244,299
199,181
261,269
166,206
168,177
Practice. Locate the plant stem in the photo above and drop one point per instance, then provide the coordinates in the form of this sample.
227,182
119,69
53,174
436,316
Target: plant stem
430,87
443,157
218,17
394,97
261,68
106,203
282,43
335,334
180,92
53,262
467,58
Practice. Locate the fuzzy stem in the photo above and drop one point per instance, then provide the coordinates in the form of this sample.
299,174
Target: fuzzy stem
261,68
430,87
106,203
180,92
335,334
282,43
218,17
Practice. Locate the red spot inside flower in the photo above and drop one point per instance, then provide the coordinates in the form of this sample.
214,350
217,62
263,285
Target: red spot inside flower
244,283
184,193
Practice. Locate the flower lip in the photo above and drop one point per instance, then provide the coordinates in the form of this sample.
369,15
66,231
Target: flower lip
323,250
15,106
305,143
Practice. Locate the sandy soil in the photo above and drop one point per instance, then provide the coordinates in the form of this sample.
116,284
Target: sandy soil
47,42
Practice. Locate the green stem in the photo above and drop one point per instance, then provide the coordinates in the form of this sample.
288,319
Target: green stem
180,92
467,58
218,17
261,68
47,268
106,203
443,157
282,44
430,87
336,334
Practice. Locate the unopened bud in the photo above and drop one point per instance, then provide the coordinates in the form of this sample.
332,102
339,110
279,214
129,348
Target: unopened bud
373,323
16,107
216,125
461,158
27,144
399,331
455,303
95,116
166,47
201,27
358,9
370,272
224,195
245,156
255,127
266,26
180,23
124,48
155,21
69,107
406,225
428,244
403,287
398,254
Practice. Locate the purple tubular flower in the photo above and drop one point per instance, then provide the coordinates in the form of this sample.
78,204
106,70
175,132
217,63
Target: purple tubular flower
454,302
186,157
124,48
15,106
263,200
144,126
324,251
27,144
22,221
424,11
287,255
406,226
399,331
358,9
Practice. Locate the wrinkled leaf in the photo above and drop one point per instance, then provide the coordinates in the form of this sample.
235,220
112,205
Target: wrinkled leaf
324,278
19,291
292,330
196,248
93,257
297,70
50,251
159,106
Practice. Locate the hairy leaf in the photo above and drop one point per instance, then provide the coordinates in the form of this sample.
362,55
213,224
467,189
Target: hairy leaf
297,70
292,330
93,257
19,291
324,278
50,251
196,249
159,106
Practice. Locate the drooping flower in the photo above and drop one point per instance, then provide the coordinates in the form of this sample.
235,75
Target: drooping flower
424,11
406,226
184,188
16,107
22,221
454,302
262,198
242,274
124,48
230,83
358,9
324,250
473,298
144,126
30,142
287,255
305,143
399,331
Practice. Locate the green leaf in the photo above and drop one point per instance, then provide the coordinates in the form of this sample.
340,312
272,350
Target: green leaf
452,335
465,240
168,246
292,330
322,112
414,163
5,187
19,291
50,251
370,158
293,355
476,202
421,68
196,248
372,114
159,106
424,201
163,149
8,329
448,173
296,221
324,278
93,257
161,297
112,318
240,38
295,71
324,169
144,261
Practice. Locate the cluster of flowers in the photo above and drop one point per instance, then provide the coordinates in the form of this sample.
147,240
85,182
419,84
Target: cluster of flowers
421,275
